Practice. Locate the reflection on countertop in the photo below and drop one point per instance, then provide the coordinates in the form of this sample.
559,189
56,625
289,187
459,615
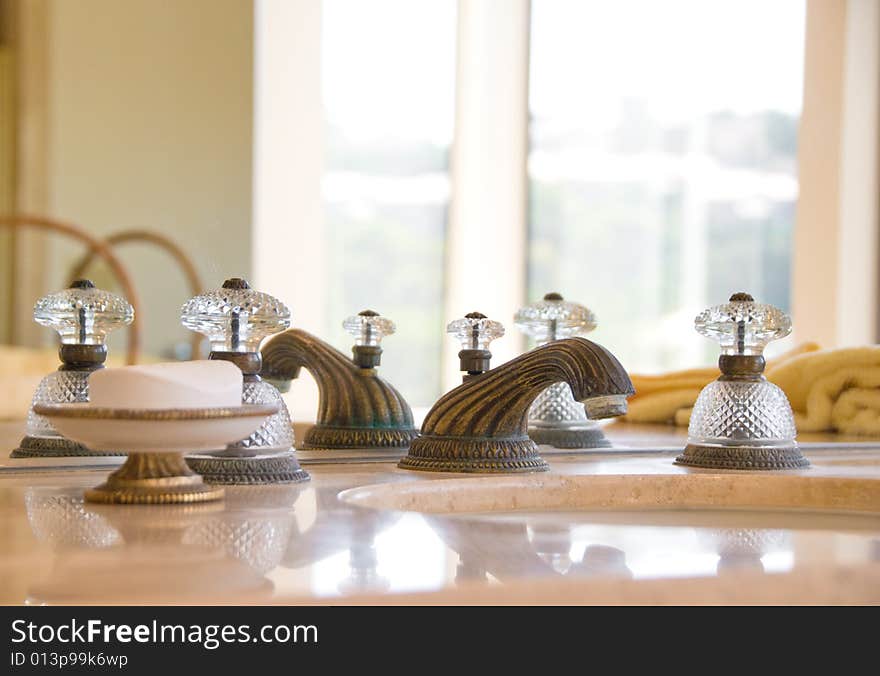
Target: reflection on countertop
302,544
164,554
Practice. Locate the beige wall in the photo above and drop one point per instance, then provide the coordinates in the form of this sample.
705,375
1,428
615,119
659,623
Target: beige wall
150,127
288,211
7,183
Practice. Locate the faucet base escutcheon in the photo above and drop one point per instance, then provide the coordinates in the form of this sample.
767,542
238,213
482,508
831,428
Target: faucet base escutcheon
53,447
274,468
473,456
708,456
328,437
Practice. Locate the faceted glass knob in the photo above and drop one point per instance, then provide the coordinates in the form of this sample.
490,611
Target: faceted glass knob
742,326
475,331
368,328
235,318
553,318
83,314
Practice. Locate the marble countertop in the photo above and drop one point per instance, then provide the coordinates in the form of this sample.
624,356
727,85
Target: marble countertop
303,544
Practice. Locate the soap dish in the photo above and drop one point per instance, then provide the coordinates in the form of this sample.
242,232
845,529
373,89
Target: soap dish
155,441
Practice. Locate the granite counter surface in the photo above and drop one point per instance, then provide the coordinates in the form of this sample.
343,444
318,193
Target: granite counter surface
303,544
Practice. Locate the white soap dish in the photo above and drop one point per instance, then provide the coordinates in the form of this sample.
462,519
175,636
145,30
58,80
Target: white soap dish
156,441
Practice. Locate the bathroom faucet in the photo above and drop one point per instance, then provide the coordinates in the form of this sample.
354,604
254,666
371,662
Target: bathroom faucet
357,408
481,425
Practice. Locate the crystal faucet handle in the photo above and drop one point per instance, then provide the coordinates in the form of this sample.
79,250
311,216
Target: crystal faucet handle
235,317
553,318
742,326
83,314
368,328
475,331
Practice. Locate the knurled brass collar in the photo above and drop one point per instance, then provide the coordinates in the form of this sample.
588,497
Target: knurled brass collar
474,361
367,356
80,357
741,365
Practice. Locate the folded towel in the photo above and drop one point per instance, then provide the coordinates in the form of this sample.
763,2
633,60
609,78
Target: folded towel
669,397
833,390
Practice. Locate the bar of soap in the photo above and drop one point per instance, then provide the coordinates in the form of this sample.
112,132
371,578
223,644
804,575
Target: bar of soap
185,384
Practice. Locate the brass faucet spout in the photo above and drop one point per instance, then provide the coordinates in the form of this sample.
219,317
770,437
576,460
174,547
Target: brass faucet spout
481,426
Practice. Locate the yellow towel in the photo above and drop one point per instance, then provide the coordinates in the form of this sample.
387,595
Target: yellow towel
833,390
669,397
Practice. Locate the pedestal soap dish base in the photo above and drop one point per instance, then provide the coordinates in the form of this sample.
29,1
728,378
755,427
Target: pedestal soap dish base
53,447
153,479
743,457
277,468
588,437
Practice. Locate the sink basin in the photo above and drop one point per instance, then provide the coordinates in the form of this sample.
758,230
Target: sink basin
644,525
650,521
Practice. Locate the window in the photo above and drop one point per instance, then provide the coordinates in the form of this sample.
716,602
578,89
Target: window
388,70
637,156
663,163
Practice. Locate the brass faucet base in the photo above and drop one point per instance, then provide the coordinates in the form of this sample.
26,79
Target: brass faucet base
153,479
743,457
331,436
589,437
473,456
53,447
278,468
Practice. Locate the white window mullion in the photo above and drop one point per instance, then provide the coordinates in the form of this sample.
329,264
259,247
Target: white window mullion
486,244
835,275
288,233
857,315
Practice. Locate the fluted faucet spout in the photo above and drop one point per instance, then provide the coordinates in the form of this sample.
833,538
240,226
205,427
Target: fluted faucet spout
357,408
481,426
